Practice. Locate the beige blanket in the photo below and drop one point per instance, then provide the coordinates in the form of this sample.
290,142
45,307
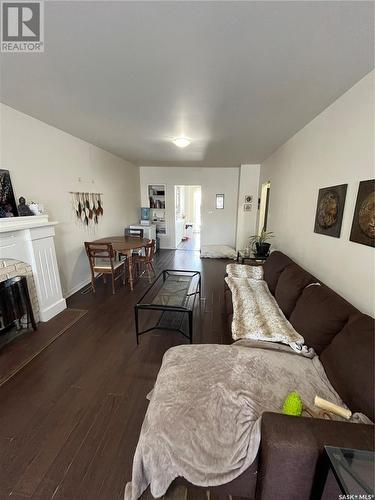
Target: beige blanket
203,420
244,271
257,316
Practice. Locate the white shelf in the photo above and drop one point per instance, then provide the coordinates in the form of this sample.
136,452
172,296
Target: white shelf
157,193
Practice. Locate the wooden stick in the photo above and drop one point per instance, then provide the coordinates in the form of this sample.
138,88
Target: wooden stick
328,406
316,414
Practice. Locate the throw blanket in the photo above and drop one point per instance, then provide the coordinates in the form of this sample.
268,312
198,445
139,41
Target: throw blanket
257,316
203,420
244,271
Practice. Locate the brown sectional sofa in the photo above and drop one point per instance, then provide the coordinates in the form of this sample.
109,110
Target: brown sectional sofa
291,462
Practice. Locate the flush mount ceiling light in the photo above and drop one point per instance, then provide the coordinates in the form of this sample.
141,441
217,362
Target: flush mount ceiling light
181,142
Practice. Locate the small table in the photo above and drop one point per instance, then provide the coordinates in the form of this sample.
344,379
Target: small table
174,293
125,245
243,256
353,470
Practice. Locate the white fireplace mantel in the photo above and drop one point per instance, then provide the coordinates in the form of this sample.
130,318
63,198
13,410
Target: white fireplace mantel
31,239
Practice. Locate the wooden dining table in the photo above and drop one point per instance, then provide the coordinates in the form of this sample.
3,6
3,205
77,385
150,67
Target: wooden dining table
125,245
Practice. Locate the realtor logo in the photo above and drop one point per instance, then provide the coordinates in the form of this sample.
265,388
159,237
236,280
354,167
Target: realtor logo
22,26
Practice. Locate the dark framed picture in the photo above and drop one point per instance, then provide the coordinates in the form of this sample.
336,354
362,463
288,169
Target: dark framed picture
220,201
329,210
363,225
8,207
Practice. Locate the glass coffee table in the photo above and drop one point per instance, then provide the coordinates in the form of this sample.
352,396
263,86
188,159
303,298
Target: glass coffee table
173,294
353,470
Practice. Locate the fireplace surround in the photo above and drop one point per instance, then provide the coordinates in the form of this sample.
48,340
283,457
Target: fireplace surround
30,240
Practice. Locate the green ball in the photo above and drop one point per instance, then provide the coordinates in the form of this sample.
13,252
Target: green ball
293,404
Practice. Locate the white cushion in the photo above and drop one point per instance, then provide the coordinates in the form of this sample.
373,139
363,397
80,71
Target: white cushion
106,264
218,252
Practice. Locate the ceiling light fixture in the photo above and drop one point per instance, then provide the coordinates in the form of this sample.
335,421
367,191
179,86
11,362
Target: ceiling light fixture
181,142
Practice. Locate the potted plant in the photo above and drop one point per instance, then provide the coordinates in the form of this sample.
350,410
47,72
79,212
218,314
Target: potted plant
259,243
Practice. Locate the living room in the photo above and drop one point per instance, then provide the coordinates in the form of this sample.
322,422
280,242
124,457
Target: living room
268,108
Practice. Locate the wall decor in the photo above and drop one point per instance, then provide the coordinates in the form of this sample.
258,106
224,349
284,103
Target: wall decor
220,201
247,207
87,207
329,210
248,198
36,208
23,209
8,207
363,225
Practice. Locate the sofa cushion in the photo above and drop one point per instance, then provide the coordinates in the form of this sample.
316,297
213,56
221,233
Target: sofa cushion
290,285
273,267
319,315
349,364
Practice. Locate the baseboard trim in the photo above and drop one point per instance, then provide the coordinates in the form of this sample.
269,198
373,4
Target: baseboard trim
51,311
77,287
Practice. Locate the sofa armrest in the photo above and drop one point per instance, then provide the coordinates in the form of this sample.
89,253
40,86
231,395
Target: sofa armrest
291,462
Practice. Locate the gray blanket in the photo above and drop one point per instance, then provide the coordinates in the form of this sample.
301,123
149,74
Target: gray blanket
203,420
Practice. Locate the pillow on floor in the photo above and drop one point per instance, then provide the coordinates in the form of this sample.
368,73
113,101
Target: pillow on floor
218,252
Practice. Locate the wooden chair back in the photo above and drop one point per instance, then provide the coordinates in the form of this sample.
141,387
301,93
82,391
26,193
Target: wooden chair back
134,233
150,251
106,264
99,251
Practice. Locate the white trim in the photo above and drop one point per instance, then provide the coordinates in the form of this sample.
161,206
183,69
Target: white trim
28,222
52,310
78,287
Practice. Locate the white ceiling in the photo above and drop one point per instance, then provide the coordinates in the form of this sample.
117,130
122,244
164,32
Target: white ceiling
239,78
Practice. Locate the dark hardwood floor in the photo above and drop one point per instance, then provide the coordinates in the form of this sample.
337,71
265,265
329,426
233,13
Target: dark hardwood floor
70,419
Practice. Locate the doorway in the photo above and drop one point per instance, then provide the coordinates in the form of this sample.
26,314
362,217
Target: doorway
188,217
263,207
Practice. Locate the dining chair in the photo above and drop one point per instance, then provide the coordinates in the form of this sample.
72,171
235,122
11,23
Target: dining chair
102,262
146,261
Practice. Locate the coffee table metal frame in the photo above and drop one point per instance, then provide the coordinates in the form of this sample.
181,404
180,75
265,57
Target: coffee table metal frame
166,308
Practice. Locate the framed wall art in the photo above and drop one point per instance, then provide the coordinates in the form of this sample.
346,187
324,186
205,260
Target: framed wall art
8,207
363,225
329,210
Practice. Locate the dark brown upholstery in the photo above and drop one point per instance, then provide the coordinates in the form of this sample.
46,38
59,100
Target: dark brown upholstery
290,285
273,267
243,486
291,461
349,364
319,315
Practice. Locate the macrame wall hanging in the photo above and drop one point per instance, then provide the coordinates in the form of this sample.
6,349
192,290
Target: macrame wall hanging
87,207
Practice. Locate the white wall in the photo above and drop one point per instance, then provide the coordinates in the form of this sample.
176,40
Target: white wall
337,147
218,226
45,164
246,221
